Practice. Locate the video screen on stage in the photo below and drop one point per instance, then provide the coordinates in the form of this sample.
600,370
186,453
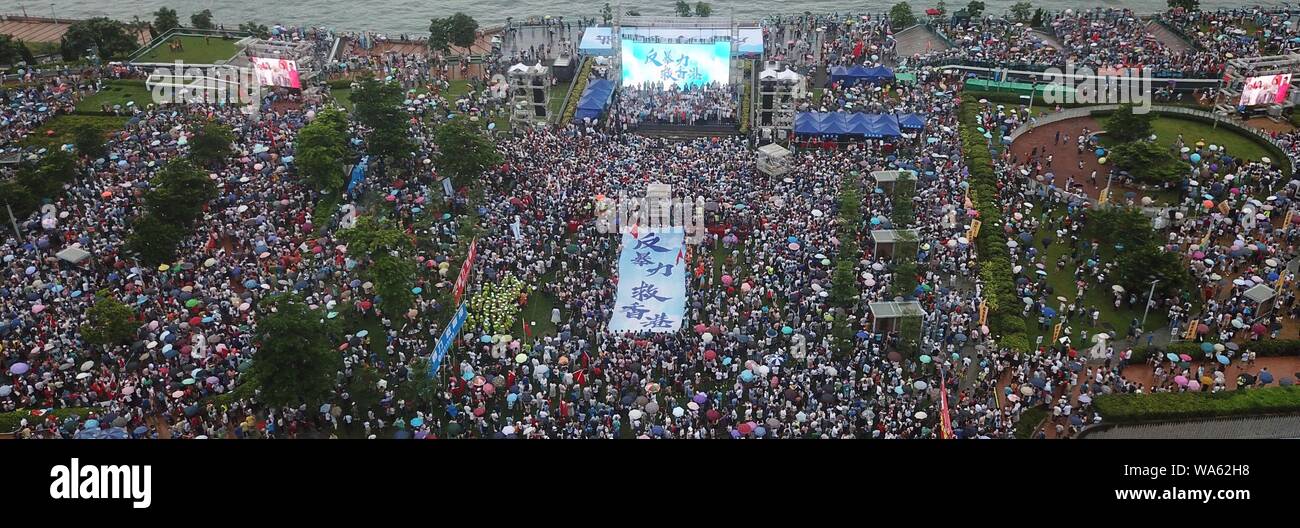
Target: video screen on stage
276,72
676,65
1267,89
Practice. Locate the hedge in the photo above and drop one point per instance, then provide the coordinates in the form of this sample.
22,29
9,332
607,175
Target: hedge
1129,408
9,422
995,264
1267,348
1029,421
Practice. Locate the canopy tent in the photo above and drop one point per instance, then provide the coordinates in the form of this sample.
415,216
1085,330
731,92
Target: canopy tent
595,98
911,121
846,124
856,74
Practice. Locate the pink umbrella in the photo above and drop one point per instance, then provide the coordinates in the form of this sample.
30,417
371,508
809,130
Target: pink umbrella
1180,380
38,308
794,245
1185,357
1198,255
1193,385
726,279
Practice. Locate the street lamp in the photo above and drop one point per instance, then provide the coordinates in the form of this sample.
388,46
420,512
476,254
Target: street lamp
1148,306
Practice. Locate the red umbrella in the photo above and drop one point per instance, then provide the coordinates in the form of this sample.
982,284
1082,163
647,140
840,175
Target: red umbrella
479,411
933,12
1258,328
196,321
710,355
713,415
745,428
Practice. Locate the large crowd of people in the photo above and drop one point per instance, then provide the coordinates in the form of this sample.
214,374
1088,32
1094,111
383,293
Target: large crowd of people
764,353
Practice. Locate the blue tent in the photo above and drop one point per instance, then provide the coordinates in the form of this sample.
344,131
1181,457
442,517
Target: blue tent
878,74
595,98
911,121
882,125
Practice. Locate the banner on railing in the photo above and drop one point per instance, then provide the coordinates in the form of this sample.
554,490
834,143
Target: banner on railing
445,340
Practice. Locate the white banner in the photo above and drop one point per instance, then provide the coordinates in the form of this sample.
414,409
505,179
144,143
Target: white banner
651,283
596,40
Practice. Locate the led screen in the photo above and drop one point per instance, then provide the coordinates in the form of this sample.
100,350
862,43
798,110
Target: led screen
675,65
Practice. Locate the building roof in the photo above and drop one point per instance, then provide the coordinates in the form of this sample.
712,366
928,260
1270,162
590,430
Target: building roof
892,175
889,236
893,309
774,150
1260,293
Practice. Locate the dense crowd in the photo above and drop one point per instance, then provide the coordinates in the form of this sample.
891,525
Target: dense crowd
687,105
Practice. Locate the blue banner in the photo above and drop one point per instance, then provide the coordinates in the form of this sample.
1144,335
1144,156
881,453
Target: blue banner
448,335
358,174
651,283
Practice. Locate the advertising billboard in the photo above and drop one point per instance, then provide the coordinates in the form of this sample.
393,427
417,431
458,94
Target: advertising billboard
1267,89
276,72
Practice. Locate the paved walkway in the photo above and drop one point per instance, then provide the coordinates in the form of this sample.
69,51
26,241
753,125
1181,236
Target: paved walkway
1170,39
917,39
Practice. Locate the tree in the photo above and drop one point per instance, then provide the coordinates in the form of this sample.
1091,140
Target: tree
975,8
202,19
462,30
942,7
463,151
1037,20
211,143
683,8
439,35
901,15
1125,125
105,37
257,30
378,106
164,20
109,322
319,152
295,362
154,241
1021,11
1187,5
390,266
703,9
13,51
178,193
1148,162
89,140
844,284
419,388
607,13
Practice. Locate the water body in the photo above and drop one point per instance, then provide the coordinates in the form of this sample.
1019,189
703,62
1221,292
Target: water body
412,16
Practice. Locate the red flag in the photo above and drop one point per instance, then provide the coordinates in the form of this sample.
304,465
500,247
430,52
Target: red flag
528,331
857,49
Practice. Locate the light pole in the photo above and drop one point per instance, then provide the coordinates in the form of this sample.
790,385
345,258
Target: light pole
52,15
1148,306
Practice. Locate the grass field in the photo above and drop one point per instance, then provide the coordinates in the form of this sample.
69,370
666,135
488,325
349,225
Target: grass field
63,127
1167,130
117,93
195,50
1112,320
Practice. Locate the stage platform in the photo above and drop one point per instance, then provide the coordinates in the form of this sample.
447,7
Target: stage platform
688,132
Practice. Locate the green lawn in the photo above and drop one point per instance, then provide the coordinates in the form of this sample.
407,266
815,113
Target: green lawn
195,50
1167,130
117,93
341,96
557,98
1115,322
63,127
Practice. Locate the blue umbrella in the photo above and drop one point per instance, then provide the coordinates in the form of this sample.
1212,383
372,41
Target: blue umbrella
1223,359
452,410
1206,347
1174,357
1266,377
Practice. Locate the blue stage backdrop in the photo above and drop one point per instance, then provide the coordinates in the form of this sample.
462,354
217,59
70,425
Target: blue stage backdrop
676,65
651,283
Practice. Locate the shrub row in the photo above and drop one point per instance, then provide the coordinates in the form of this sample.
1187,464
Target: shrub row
995,264
1128,408
1267,348
9,422
575,92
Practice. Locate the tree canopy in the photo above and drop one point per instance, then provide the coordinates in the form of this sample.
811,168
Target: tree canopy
295,362
320,151
1125,125
103,36
202,19
463,151
901,15
165,19
109,321
211,143
13,51
378,106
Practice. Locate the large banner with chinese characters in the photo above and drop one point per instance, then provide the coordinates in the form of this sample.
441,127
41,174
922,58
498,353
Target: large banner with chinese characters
651,283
